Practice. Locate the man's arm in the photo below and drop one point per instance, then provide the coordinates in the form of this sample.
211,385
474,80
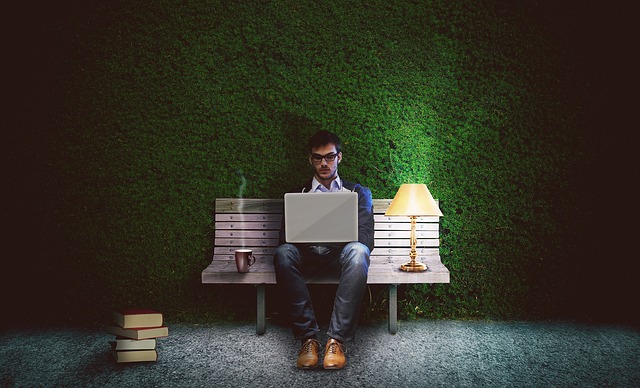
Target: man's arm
365,216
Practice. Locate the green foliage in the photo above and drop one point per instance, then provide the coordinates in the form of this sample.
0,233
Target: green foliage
163,104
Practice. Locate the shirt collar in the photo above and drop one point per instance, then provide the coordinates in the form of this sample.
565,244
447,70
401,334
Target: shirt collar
336,185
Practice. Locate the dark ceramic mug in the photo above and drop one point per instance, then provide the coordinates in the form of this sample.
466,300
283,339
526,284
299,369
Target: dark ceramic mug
244,259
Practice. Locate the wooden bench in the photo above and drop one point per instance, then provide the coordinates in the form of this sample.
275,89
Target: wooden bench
255,224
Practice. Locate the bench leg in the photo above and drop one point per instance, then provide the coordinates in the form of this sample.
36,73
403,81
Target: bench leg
393,308
261,316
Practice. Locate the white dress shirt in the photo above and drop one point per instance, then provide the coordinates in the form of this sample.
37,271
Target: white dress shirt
336,185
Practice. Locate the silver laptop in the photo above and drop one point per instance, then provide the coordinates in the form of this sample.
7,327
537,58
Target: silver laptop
321,217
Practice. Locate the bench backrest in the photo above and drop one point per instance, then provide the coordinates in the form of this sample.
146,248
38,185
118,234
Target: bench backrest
255,224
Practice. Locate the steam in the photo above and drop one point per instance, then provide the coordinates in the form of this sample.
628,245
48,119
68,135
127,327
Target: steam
243,185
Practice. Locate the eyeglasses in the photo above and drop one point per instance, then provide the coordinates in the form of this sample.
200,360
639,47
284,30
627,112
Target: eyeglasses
317,158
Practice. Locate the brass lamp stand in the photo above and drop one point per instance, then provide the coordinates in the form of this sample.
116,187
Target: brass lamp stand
413,200
413,265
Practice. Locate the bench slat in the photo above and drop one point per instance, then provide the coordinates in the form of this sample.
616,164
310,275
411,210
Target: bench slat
240,234
403,251
382,218
404,226
274,242
243,217
264,242
400,222
227,252
405,234
230,250
268,259
399,242
278,217
263,254
248,225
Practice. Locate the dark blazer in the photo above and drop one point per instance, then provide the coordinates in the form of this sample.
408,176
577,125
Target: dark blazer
365,211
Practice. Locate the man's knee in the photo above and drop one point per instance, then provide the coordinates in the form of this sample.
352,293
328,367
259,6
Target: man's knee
356,254
286,255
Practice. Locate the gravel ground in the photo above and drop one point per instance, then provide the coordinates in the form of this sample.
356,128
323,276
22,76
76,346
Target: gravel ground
422,354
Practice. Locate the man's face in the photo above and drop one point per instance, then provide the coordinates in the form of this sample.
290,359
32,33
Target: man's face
325,170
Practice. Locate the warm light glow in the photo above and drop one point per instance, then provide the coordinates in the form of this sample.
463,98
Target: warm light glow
413,200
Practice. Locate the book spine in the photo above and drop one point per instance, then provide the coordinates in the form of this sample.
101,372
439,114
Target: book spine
134,355
139,334
131,344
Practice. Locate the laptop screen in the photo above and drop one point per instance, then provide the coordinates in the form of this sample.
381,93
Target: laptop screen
321,217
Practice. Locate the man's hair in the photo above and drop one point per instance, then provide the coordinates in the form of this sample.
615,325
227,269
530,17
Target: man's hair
322,138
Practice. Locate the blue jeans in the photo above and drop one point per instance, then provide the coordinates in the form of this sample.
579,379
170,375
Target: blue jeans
349,263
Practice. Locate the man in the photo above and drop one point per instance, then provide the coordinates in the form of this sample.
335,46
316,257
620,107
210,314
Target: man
348,261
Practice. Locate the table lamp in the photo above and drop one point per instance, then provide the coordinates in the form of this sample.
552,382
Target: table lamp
413,200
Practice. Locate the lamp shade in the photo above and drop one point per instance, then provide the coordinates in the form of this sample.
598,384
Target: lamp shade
413,200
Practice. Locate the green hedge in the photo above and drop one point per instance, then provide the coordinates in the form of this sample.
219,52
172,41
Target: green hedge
153,110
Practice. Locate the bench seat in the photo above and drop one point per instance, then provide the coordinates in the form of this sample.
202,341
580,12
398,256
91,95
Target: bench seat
255,223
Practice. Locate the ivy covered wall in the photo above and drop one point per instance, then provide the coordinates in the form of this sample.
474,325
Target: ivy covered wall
132,117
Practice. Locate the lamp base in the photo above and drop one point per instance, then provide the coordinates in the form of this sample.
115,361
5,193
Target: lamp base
413,266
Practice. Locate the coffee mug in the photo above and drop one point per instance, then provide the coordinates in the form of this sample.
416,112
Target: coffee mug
244,259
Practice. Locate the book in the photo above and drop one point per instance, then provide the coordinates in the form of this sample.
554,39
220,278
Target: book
133,355
136,318
122,343
139,333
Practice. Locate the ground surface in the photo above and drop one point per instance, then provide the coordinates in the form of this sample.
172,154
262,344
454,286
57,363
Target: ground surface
423,353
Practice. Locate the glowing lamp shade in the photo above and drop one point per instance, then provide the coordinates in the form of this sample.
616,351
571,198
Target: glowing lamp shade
413,200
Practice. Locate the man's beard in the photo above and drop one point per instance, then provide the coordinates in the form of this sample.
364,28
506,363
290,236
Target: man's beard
331,176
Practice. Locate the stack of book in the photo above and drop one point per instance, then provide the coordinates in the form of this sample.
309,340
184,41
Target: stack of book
136,331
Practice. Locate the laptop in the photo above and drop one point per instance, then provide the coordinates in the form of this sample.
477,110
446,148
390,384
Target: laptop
321,217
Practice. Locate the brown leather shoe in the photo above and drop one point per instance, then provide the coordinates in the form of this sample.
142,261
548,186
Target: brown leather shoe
308,356
334,355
